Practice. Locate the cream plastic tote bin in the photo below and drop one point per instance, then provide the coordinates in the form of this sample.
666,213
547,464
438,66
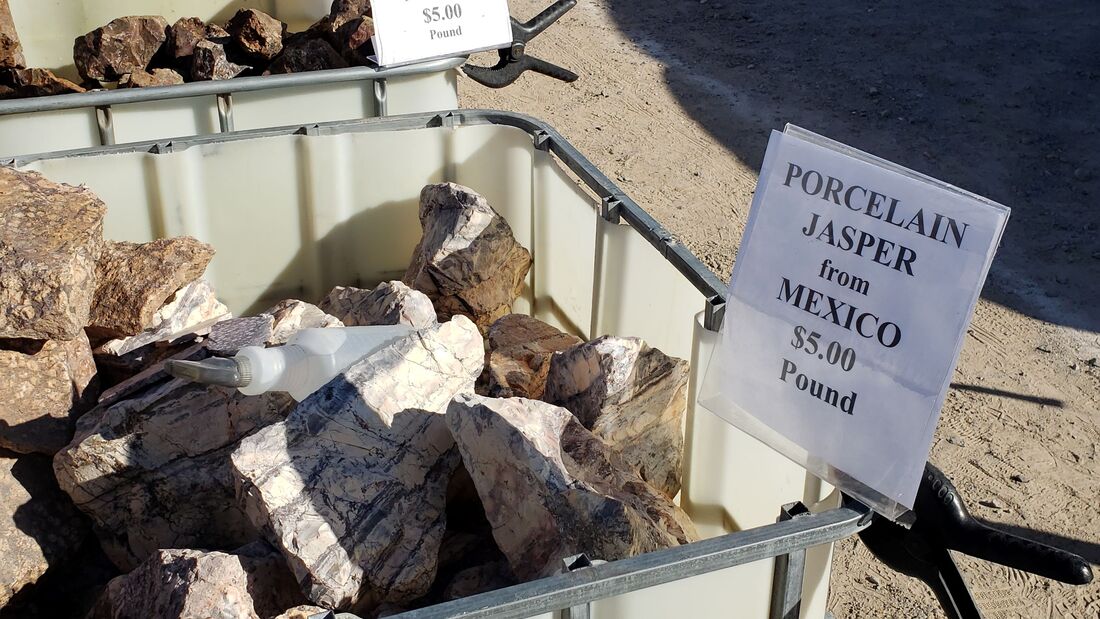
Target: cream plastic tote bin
47,31
295,211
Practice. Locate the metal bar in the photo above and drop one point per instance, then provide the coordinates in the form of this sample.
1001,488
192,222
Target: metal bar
105,122
225,112
653,568
381,102
789,572
220,87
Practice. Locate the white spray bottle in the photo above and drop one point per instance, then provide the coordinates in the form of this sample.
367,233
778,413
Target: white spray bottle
310,359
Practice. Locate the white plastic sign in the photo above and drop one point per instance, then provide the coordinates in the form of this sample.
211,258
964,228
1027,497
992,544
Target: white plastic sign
407,31
853,287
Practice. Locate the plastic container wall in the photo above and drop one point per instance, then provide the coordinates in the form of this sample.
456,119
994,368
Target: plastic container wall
48,29
339,206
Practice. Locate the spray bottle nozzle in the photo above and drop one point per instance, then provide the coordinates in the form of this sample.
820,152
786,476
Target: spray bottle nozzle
212,371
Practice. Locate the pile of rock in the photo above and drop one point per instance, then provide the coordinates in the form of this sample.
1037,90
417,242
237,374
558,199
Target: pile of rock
143,50
476,452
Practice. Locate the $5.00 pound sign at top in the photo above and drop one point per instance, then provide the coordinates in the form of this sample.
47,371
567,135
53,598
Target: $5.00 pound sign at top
447,12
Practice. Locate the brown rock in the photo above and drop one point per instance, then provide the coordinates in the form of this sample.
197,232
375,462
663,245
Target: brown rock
253,582
135,280
351,487
354,40
520,348
44,387
125,45
147,79
193,309
304,611
11,52
630,395
39,527
292,315
210,63
188,32
467,261
257,34
51,236
551,489
306,54
389,303
23,83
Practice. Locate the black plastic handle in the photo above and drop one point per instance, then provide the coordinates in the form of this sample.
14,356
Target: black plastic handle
530,29
539,65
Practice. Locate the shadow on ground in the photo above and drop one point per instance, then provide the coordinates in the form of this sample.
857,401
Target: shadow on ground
999,98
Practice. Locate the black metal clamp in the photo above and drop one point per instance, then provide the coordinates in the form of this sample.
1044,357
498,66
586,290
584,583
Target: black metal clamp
514,60
943,523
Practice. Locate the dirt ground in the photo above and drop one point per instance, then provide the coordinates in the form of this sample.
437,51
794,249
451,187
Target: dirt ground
676,101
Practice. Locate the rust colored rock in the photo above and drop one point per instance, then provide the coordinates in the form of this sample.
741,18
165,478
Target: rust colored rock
304,611
630,395
467,261
209,62
251,583
11,52
125,45
188,32
22,83
389,303
44,387
306,54
520,348
257,34
51,236
135,280
551,489
148,79
354,40
39,527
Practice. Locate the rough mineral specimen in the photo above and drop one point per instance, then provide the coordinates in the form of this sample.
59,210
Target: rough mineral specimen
123,46
135,280
292,315
551,489
51,236
303,611
389,303
520,348
192,309
11,52
39,527
21,83
257,34
354,40
148,79
304,54
209,62
351,487
467,261
188,32
251,583
228,337
630,395
44,387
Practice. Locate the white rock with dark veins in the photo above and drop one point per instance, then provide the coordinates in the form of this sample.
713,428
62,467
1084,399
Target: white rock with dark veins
352,486
389,303
630,395
551,489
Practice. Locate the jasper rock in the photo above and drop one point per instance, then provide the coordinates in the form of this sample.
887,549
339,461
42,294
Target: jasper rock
389,303
630,395
135,280
340,13
209,62
151,78
11,52
304,611
44,386
351,487
467,261
125,45
306,54
22,83
51,236
354,40
193,309
188,32
520,348
152,468
292,315
257,34
39,527
551,489
252,582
